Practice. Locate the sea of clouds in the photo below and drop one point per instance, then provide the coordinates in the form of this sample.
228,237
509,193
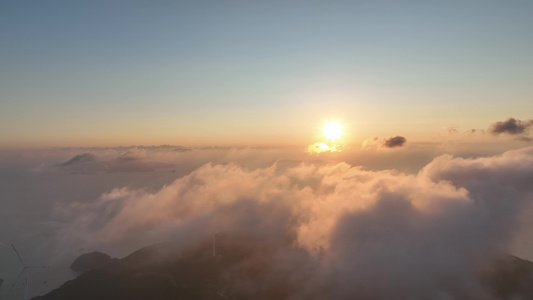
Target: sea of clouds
405,223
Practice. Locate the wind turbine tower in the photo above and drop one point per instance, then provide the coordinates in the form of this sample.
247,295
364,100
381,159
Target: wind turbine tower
24,272
214,244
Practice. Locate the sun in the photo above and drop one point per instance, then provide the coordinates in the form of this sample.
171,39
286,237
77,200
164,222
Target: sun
332,130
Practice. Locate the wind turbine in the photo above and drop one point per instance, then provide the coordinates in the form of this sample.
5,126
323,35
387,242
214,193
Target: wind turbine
24,271
214,244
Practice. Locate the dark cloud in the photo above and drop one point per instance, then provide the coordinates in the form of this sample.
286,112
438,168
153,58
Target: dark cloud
510,126
396,141
375,143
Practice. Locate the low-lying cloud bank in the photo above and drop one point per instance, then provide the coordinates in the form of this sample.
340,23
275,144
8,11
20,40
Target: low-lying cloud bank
359,234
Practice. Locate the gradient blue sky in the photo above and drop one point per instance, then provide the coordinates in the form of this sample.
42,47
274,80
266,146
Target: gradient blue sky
106,73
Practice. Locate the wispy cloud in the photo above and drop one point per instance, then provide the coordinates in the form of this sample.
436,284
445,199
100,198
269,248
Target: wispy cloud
474,131
452,130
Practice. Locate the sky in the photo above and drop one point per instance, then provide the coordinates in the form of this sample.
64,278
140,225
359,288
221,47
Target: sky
256,73
366,132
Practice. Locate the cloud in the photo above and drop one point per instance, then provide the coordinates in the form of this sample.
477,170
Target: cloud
396,141
375,143
474,131
334,230
510,126
372,143
524,139
455,131
452,130
512,169
321,147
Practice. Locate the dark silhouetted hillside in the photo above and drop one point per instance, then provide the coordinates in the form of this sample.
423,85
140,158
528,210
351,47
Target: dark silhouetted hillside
510,278
167,271
243,268
91,261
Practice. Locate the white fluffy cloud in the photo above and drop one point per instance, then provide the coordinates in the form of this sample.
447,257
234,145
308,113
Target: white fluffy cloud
374,234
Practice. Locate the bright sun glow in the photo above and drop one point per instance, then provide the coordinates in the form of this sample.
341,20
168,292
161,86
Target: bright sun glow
332,130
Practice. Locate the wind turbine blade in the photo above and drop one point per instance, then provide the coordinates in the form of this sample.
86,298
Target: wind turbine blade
20,275
18,255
